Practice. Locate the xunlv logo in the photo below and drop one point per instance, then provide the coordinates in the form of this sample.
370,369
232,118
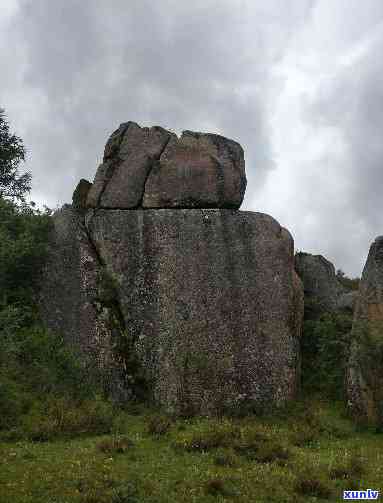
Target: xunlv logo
370,494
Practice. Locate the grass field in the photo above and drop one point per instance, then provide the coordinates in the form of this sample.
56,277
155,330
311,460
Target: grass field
307,453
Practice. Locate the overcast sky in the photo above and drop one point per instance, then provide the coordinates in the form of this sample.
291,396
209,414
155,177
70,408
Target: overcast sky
298,83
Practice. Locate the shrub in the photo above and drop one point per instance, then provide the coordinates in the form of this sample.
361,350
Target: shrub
353,469
221,434
219,487
117,445
159,425
261,450
24,234
127,493
270,451
324,346
59,417
45,390
225,458
304,437
349,283
312,486
13,402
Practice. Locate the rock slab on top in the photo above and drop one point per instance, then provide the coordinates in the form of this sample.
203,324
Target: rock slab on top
129,155
153,168
197,170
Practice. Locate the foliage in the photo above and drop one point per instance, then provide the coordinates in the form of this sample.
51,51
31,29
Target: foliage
24,233
325,345
159,425
368,335
349,469
78,471
115,445
45,390
309,485
13,185
349,283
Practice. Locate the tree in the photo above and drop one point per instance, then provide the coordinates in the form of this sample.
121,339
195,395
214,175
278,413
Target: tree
13,185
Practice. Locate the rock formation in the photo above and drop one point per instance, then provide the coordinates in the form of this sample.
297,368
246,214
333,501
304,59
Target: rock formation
364,382
152,168
322,289
80,195
177,296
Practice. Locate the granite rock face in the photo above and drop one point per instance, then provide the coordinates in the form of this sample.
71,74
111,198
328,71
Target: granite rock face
197,310
197,171
129,156
153,168
210,299
322,289
71,298
364,378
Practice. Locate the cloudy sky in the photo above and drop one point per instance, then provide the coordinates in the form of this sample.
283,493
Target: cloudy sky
298,83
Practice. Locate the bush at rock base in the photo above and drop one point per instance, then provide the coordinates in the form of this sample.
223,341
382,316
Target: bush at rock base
325,345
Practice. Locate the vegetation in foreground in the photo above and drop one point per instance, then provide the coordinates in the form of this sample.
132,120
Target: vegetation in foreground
308,453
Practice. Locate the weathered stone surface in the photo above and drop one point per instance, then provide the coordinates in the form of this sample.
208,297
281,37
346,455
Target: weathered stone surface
80,194
323,291
199,310
130,154
198,170
152,168
211,304
364,383
70,298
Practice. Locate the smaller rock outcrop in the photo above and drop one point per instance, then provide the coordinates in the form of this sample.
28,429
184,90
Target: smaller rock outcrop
80,194
364,378
322,289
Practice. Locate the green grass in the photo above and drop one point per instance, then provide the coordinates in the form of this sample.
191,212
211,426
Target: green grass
199,460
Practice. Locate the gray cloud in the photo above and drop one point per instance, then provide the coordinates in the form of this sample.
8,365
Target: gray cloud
348,204
201,66
247,69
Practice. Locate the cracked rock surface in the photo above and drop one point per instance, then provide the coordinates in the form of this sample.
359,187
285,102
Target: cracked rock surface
204,309
322,289
129,156
153,168
70,300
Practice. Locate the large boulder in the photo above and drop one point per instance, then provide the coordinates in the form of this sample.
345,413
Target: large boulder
211,302
153,168
198,310
197,171
322,289
364,383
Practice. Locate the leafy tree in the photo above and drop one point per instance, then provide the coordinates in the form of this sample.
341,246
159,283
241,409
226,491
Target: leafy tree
13,185
23,246
349,283
45,388
325,345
